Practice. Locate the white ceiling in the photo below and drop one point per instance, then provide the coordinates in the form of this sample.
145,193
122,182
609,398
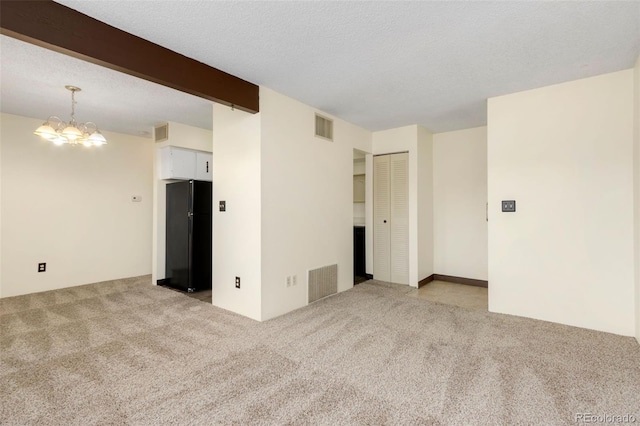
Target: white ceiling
376,64
33,79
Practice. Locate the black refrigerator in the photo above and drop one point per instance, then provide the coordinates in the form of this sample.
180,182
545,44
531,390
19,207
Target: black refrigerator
188,238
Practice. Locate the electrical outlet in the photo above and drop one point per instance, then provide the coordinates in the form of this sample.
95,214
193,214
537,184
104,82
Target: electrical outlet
294,280
508,205
237,282
42,267
223,206
288,281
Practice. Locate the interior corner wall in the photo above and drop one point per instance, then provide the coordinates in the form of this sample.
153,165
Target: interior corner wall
425,163
404,139
564,153
1,119
307,200
184,136
636,170
460,197
71,207
237,231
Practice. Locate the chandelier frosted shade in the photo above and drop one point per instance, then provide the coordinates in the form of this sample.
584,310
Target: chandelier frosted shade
46,131
73,133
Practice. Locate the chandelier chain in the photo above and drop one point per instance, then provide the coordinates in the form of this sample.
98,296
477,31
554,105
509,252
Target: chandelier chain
73,105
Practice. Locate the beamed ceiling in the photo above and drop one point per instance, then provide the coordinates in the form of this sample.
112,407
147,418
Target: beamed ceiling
376,64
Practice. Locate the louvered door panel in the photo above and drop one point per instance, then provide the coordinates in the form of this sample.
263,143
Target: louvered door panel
399,215
381,225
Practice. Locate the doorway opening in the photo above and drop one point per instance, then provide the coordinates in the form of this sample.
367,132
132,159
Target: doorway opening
359,213
447,292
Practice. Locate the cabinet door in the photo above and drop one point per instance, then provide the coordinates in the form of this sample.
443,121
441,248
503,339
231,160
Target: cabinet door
204,166
182,164
381,218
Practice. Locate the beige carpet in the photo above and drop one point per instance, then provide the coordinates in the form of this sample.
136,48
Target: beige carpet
127,352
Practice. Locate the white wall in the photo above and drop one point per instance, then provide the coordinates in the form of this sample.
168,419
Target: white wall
237,231
307,198
184,136
1,125
425,163
368,211
460,196
399,139
71,208
417,142
564,153
636,169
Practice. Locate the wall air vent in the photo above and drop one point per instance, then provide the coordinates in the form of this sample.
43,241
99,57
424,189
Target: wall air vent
324,127
161,132
322,282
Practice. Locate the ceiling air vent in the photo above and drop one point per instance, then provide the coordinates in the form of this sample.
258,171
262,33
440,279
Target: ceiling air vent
324,127
161,132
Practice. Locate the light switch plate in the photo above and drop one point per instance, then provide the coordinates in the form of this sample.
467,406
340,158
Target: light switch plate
509,206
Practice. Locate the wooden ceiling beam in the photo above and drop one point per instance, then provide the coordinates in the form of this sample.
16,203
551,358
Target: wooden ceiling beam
62,29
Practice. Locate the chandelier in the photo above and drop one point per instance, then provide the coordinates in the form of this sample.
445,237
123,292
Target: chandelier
59,132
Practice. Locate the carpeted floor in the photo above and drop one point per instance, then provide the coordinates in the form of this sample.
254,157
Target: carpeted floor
128,352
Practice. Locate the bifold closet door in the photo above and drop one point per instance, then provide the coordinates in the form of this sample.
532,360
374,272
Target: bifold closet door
381,218
399,218
391,218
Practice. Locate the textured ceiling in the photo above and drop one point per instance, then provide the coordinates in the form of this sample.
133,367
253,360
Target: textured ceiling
33,79
388,64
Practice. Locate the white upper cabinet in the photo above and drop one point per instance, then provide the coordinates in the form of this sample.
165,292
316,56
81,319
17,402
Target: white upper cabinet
182,163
